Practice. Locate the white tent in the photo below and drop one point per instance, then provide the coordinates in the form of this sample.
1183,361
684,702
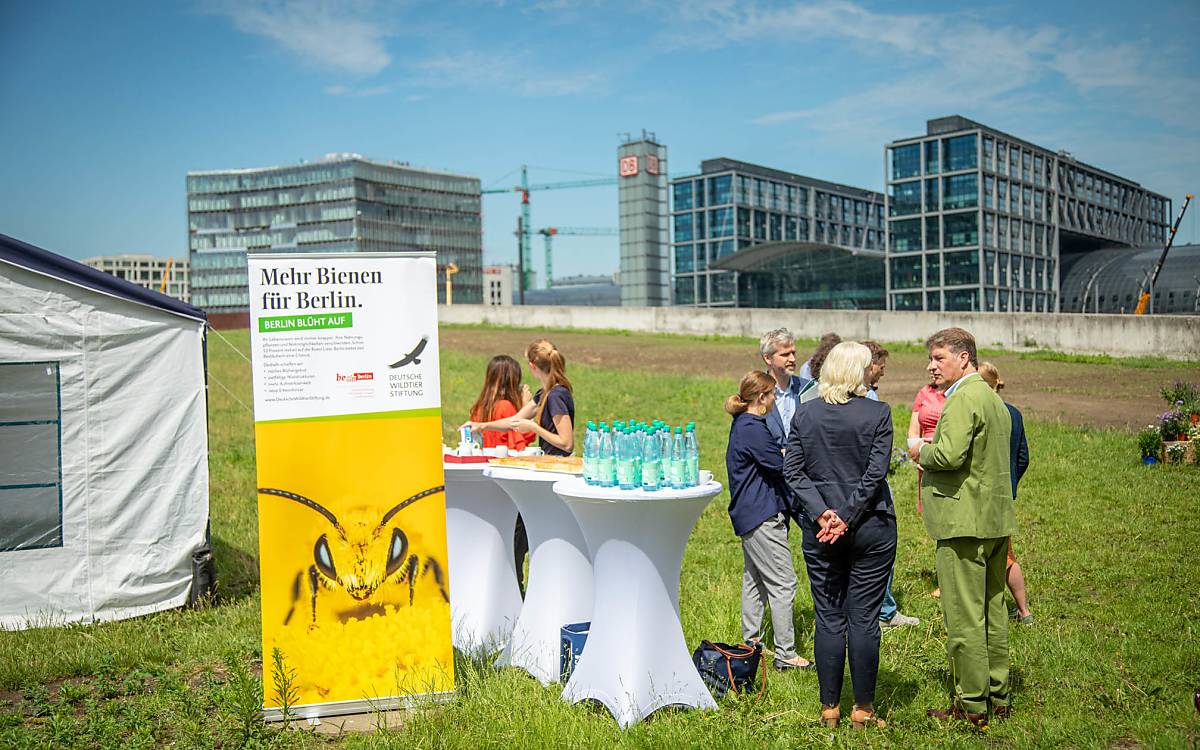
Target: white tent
103,443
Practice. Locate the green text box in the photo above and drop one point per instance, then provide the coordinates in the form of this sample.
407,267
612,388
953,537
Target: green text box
305,322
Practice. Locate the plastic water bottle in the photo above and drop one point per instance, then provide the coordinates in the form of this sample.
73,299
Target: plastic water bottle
651,461
625,478
605,473
591,446
639,447
675,463
691,456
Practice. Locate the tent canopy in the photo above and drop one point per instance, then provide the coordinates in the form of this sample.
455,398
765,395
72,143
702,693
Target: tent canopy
103,443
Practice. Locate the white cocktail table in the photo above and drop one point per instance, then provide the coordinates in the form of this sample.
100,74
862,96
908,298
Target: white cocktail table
635,660
559,591
484,598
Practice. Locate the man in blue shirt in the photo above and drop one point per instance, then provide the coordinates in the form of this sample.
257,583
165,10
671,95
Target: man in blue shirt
890,615
778,350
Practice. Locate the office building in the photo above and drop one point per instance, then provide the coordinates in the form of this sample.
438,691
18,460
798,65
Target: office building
982,220
645,267
341,203
498,285
752,236
147,271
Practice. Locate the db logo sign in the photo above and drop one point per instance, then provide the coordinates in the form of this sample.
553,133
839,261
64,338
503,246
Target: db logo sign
651,164
628,166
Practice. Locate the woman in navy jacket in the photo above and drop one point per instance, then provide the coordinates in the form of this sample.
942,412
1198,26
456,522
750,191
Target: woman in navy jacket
836,464
759,510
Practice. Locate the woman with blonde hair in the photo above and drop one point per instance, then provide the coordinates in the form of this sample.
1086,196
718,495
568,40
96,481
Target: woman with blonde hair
758,508
551,413
1018,463
836,464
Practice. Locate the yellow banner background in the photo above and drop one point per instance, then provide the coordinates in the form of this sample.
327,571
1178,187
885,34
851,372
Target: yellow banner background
379,645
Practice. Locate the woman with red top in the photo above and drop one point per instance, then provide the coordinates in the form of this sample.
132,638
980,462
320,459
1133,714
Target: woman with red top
926,411
502,397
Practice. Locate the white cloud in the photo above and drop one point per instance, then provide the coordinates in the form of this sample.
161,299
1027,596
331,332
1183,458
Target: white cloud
336,34
356,93
504,72
946,63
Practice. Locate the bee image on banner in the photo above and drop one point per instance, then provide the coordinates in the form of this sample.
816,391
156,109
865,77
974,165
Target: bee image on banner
366,564
352,556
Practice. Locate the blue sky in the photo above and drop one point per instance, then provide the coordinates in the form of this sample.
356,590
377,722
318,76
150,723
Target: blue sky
108,105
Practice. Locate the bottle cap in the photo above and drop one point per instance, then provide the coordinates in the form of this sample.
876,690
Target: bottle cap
604,425
691,426
678,430
591,425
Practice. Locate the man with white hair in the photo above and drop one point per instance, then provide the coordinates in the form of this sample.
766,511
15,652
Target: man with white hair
778,351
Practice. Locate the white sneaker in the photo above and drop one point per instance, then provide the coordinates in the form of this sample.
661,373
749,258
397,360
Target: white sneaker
898,620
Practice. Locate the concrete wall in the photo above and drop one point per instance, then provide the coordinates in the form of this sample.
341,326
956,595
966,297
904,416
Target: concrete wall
1177,337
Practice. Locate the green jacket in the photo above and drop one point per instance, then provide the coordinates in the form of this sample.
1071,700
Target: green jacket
968,490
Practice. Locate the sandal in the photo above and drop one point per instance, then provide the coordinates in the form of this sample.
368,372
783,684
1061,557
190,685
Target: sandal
863,716
831,715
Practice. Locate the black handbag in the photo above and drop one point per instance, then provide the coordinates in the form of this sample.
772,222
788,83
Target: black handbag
726,668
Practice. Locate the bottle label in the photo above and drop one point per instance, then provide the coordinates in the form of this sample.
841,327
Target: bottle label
650,474
604,471
675,471
625,473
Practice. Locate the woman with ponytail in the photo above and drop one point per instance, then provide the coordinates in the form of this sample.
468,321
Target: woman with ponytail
759,511
551,413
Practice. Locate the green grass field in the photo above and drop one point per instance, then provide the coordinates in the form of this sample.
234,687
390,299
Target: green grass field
1109,548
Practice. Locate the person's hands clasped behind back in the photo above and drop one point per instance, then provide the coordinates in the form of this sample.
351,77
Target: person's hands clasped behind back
832,527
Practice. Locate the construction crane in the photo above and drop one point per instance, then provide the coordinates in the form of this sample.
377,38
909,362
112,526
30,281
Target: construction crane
524,239
1147,290
549,232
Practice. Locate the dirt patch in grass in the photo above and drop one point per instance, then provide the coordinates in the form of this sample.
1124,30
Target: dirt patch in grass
1094,395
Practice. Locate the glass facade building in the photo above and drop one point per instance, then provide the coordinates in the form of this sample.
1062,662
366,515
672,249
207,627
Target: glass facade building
342,203
732,206
981,220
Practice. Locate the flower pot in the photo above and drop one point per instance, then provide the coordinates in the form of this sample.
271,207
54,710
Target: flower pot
1149,460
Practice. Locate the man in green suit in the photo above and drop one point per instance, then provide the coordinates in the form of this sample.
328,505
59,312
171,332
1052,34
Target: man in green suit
969,512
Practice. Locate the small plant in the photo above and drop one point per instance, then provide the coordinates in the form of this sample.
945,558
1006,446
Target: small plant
1150,441
1180,393
284,678
1175,453
1172,423
898,458
242,701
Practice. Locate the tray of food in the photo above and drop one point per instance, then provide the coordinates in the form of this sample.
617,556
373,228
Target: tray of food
560,464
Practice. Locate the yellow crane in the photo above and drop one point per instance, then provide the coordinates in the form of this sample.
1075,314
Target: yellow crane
1144,292
451,269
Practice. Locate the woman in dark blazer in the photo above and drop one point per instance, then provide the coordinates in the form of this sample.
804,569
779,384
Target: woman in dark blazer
836,463
758,508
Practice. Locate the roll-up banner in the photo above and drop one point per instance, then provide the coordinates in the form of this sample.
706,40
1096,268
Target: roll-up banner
351,508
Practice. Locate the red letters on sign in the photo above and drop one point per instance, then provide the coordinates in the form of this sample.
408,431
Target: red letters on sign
629,166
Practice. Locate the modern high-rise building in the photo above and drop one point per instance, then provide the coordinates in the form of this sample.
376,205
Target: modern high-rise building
752,236
147,271
339,204
982,220
645,269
